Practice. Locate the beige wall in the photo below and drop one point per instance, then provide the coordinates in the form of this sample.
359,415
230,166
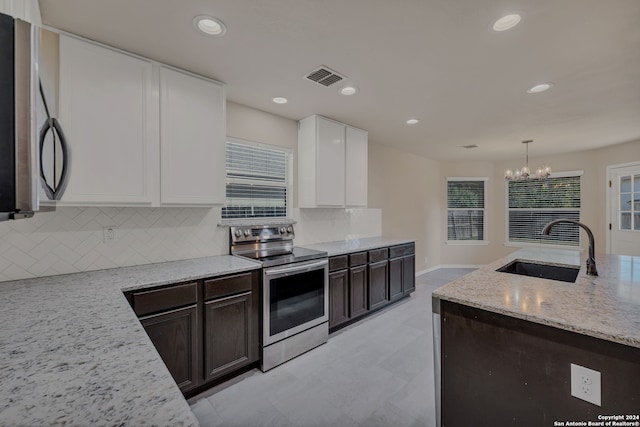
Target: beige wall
405,187
594,194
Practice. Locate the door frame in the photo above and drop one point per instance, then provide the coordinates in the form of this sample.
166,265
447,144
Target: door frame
608,188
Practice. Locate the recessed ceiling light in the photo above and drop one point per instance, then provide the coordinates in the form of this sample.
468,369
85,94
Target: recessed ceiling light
412,121
280,100
540,88
506,22
210,25
348,90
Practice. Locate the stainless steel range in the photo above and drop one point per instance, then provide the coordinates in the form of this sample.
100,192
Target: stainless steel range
295,288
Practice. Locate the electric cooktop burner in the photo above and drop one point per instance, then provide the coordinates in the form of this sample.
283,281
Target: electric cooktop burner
271,245
299,254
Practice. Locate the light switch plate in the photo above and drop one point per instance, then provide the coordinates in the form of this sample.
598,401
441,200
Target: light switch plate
585,384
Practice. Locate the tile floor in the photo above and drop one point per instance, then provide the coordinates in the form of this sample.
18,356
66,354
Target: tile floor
378,372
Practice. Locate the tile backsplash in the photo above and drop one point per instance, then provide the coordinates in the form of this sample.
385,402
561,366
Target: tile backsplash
71,239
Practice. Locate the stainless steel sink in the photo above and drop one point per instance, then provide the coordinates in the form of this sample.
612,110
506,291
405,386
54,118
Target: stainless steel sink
563,273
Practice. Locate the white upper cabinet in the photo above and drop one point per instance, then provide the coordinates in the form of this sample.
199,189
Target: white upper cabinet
139,133
106,113
27,10
357,165
192,139
332,164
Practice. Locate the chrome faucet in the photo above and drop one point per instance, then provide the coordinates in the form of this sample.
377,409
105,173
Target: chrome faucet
591,261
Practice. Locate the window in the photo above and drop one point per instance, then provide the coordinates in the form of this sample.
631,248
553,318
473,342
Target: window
257,180
466,209
630,202
534,203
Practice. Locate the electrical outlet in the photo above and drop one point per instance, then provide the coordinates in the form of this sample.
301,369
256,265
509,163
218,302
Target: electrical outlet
585,384
108,234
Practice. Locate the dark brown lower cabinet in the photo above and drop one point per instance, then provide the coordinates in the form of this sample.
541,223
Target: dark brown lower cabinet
228,340
358,290
402,277
378,289
203,330
396,272
374,279
408,274
175,336
339,297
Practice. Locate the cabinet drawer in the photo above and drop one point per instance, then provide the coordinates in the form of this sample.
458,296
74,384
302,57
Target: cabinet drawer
229,285
402,250
164,299
338,262
359,258
378,255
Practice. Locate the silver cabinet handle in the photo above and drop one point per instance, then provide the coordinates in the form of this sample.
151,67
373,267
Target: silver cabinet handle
296,268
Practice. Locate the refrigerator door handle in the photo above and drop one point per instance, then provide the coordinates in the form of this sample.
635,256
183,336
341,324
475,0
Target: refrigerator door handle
54,191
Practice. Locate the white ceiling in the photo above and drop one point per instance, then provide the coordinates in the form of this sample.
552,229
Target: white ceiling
436,60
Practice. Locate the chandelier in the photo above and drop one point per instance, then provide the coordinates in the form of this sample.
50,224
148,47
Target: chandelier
524,172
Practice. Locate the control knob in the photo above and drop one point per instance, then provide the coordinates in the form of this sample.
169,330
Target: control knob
289,229
283,230
238,232
246,233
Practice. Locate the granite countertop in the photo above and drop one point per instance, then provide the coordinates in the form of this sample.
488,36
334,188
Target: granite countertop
342,247
606,306
72,351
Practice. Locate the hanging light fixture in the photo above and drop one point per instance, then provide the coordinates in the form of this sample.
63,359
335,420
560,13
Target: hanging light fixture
524,172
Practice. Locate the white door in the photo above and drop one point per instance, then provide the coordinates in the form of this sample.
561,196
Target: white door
624,209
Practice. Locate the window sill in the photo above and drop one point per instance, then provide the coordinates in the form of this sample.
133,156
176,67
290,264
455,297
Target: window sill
467,242
542,245
247,222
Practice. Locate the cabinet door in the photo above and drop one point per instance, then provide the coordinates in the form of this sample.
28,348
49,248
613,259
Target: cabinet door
228,333
395,278
174,334
378,289
356,167
358,290
408,274
107,115
338,297
330,164
192,139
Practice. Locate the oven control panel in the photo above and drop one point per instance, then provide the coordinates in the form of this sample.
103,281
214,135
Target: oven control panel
262,233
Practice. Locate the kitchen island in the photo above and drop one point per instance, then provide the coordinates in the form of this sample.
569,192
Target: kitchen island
72,351
505,343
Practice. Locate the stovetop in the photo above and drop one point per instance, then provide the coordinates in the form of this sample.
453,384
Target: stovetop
299,254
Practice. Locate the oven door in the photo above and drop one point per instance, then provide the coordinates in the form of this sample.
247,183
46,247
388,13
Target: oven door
296,298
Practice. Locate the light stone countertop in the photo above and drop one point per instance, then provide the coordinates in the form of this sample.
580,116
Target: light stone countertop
606,307
72,351
342,247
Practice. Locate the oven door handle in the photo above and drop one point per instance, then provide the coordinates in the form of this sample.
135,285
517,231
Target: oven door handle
299,268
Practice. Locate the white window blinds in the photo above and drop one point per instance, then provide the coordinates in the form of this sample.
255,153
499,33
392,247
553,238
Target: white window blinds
465,209
534,203
257,182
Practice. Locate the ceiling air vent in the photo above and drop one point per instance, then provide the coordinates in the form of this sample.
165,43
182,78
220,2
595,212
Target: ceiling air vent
324,76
